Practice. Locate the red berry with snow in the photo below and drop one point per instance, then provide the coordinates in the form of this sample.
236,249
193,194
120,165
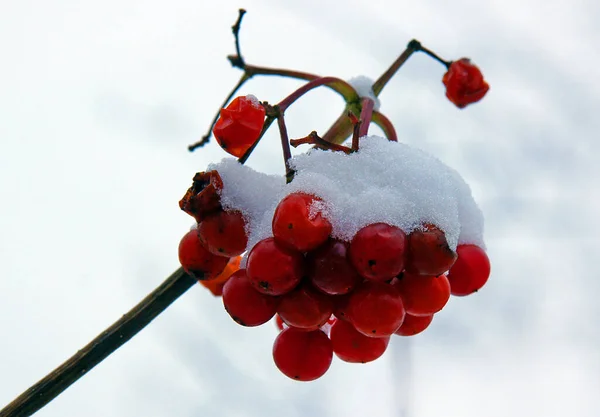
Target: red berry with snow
471,270
224,233
464,83
299,224
352,346
329,268
244,304
274,269
375,309
239,125
305,308
413,325
428,251
423,295
378,251
302,355
197,261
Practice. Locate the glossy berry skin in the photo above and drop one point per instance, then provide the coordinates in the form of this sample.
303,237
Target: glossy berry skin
295,227
223,233
464,83
375,309
428,251
273,269
216,285
414,325
239,125
301,355
279,323
378,251
340,306
352,346
329,268
197,261
423,295
305,308
244,304
471,270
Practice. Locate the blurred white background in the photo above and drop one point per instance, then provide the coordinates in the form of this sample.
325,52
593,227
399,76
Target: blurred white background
98,102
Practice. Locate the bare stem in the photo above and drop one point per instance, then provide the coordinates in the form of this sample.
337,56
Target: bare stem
285,146
101,347
318,142
386,125
411,48
350,95
365,116
268,121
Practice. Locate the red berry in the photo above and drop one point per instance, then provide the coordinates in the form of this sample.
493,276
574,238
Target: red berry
471,270
197,261
301,355
279,323
464,83
414,325
423,295
223,233
296,226
330,270
375,309
239,125
340,306
428,252
377,251
305,308
352,346
273,269
244,304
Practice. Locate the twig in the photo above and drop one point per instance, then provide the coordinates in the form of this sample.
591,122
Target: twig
318,142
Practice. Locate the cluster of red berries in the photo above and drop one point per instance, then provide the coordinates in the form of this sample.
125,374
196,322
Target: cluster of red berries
383,282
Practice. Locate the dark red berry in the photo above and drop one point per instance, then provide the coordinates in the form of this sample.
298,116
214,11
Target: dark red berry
375,309
244,304
239,125
378,251
273,269
224,233
305,308
413,325
301,355
464,83
298,227
423,295
203,198
352,346
470,272
197,261
428,252
329,268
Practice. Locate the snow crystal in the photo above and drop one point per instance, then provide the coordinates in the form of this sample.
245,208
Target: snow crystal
364,87
384,181
253,100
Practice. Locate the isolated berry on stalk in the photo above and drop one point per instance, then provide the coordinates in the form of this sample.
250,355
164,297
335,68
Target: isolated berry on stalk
305,308
299,224
302,355
244,304
274,269
329,268
428,251
471,270
413,325
423,295
197,261
352,346
239,125
464,83
378,251
224,233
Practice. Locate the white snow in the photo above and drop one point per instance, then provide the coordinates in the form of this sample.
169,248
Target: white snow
253,100
384,181
364,87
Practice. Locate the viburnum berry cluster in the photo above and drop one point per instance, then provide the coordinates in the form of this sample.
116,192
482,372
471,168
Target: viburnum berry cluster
355,245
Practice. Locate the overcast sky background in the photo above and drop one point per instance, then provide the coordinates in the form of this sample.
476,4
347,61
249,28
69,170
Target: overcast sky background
98,102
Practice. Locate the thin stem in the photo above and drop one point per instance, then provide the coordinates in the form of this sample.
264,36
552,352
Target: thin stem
285,146
356,122
268,121
314,139
435,56
386,125
101,347
378,85
236,33
365,116
328,81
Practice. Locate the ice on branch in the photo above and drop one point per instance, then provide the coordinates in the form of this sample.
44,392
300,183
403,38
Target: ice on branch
384,181
364,87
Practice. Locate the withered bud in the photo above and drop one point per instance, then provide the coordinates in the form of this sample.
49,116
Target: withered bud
202,198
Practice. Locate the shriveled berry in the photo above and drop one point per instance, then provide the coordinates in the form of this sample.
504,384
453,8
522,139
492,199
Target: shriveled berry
298,225
273,269
352,346
305,308
197,261
378,251
224,233
329,268
375,309
428,251
413,325
423,295
239,125
203,198
464,83
471,270
301,355
244,304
